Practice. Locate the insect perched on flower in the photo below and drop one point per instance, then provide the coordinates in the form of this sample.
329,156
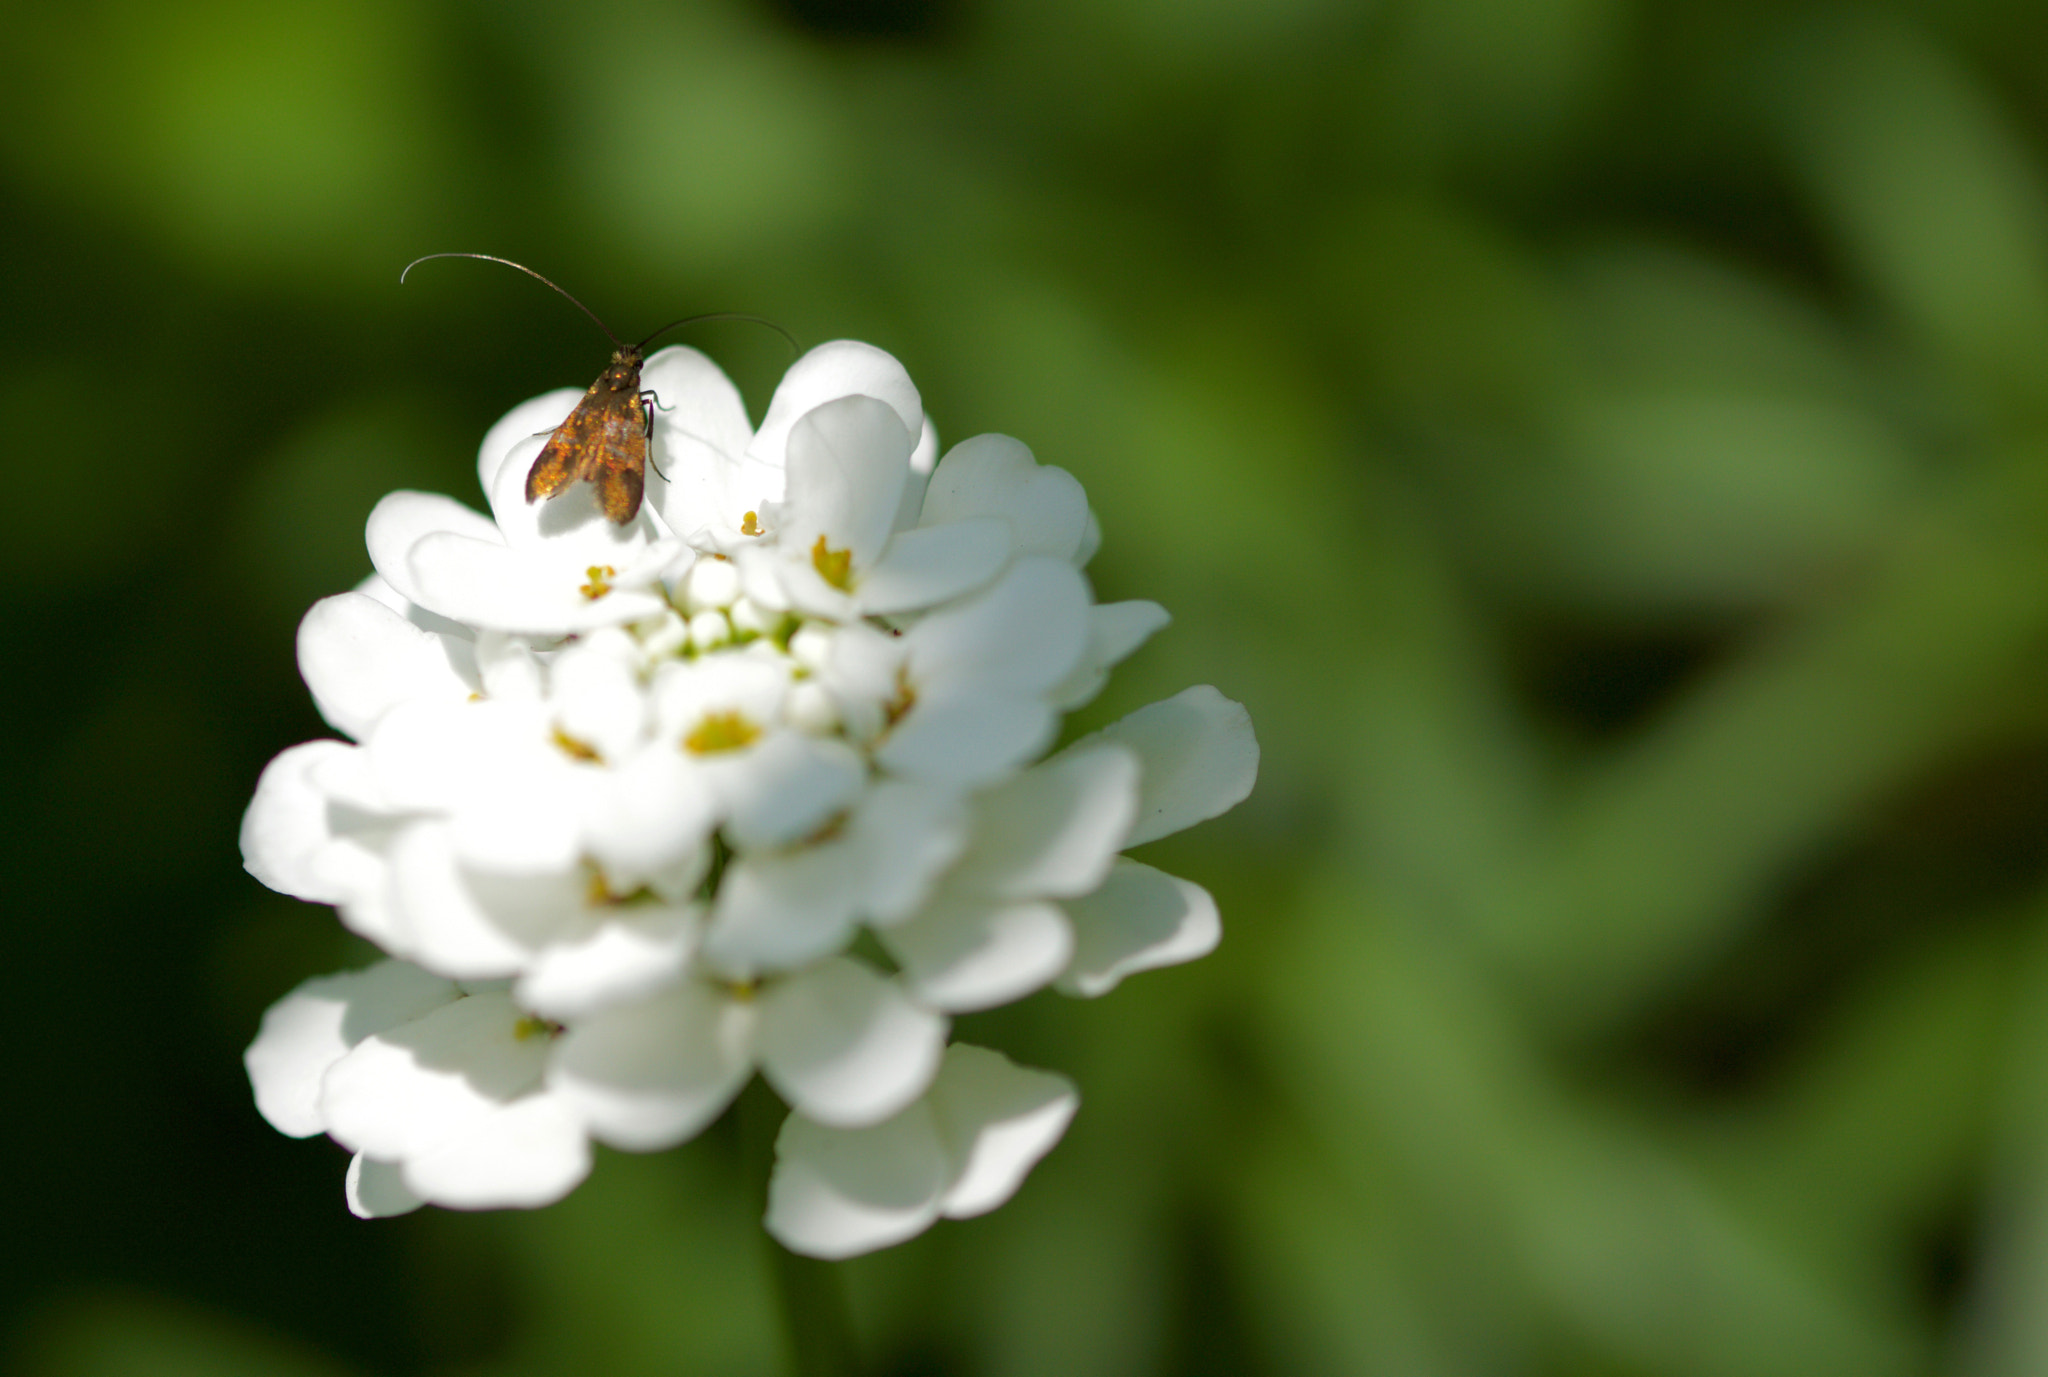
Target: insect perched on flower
604,440
759,781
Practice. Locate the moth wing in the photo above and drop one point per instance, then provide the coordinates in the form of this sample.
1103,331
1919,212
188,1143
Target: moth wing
569,454
618,463
604,441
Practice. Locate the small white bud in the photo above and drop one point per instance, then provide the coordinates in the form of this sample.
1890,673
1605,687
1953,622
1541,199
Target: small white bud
747,615
810,708
711,583
708,629
811,647
662,637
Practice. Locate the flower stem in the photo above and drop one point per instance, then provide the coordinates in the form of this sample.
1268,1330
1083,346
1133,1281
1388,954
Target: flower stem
814,1308
817,1321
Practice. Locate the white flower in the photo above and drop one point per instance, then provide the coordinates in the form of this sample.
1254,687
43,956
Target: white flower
437,1090
623,798
836,1040
831,548
960,1151
1040,894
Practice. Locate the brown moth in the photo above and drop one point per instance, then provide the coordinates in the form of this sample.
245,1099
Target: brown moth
604,440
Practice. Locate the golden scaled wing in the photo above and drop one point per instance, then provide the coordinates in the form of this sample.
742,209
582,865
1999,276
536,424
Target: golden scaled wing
604,441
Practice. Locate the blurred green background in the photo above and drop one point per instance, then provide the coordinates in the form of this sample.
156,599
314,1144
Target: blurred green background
1604,442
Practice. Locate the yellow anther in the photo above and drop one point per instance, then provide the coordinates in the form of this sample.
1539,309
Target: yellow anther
579,750
599,584
903,702
721,731
750,524
834,566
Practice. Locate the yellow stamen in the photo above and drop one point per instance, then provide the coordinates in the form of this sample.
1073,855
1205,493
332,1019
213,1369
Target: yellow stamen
834,566
578,750
598,585
903,702
721,731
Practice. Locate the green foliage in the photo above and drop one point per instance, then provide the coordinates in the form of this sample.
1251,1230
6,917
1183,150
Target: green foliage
1605,444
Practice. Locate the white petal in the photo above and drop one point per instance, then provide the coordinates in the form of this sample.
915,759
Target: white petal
1115,630
385,595
529,1153
371,915
842,368
969,739
933,564
360,658
629,953
994,475
777,910
376,1190
510,670
1199,759
432,756
539,416
314,1027
1141,919
402,519
1024,634
848,461
787,788
861,672
289,828
535,591
410,1088
346,778
597,697
997,1120
922,460
963,953
843,1046
908,833
533,826
1053,830
1091,541
650,1075
650,816
445,921
700,432
838,1192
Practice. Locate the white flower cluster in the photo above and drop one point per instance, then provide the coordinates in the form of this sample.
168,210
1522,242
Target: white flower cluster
755,781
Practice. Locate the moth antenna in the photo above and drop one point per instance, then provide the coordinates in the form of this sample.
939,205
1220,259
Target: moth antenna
493,258
794,348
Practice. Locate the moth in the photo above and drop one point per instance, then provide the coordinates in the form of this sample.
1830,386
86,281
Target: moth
604,440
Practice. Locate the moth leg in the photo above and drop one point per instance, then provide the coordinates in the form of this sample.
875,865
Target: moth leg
649,400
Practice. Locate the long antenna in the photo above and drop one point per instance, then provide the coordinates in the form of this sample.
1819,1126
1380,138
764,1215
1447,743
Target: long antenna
794,347
493,258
